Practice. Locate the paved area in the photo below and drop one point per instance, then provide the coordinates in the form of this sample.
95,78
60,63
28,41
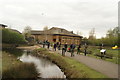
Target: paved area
107,68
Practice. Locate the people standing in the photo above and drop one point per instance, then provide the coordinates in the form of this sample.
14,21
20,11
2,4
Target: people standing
65,46
55,45
72,47
103,52
63,51
85,49
44,44
101,46
78,49
59,45
48,44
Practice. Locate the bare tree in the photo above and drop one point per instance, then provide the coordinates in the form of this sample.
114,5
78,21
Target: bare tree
27,31
79,33
92,34
45,28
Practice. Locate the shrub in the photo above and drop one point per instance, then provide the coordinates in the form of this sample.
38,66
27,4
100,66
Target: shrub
9,36
25,70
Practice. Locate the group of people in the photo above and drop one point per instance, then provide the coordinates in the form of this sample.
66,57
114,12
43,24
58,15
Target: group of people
65,47
57,45
71,48
46,43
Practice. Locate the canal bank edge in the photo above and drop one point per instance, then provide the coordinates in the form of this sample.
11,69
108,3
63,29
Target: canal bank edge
12,68
71,68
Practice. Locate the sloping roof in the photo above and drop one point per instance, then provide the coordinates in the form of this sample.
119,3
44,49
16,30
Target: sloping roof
56,31
61,31
2,25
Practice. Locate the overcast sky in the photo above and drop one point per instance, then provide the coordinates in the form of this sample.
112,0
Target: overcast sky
76,15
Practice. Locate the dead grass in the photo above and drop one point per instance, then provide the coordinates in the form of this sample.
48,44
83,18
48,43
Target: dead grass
13,68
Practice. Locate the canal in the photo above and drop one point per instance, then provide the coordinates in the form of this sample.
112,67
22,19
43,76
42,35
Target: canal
46,68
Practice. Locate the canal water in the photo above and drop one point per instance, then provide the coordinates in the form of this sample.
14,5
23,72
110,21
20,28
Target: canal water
46,68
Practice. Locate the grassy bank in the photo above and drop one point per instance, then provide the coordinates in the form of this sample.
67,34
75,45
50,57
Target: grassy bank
109,52
13,68
72,68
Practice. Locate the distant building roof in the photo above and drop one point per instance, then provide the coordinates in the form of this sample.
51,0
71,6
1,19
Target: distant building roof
61,31
56,31
2,25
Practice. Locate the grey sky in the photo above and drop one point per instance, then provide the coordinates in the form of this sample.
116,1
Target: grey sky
76,15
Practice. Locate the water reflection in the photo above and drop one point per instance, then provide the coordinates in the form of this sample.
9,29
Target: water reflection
14,51
44,66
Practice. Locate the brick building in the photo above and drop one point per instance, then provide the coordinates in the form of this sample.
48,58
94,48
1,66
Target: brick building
57,35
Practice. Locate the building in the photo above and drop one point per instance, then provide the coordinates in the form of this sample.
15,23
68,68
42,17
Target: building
3,26
57,35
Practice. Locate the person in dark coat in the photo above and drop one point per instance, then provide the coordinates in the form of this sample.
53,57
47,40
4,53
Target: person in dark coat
44,43
85,49
65,46
63,51
59,45
55,45
72,49
48,44
78,49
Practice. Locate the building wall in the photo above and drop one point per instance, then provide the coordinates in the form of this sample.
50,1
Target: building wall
70,40
67,39
1,27
57,38
43,37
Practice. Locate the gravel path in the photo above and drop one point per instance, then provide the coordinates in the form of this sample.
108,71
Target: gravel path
29,47
107,68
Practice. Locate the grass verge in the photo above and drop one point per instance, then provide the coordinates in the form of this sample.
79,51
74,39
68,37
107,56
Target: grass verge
71,68
109,52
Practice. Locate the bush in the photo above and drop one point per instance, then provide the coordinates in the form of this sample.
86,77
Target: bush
9,36
25,70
